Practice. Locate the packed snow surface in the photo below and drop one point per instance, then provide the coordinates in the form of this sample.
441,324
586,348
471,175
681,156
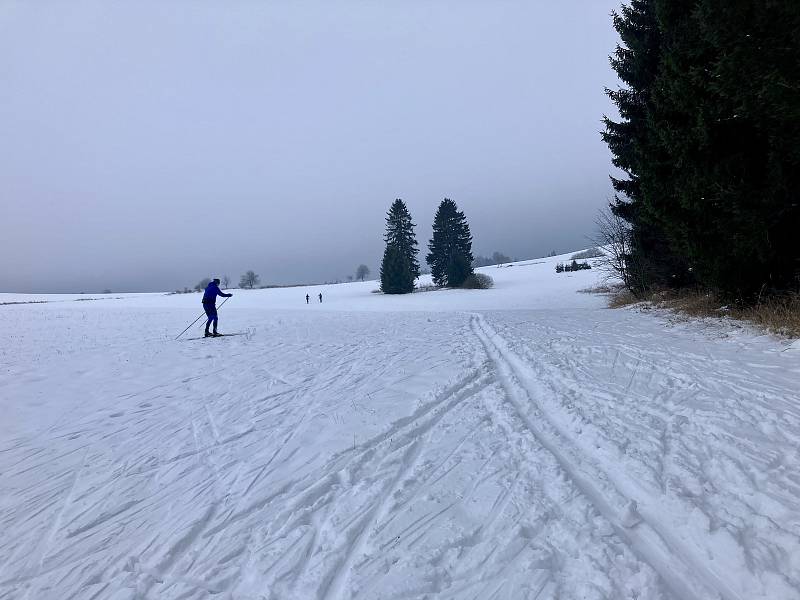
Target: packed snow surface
519,442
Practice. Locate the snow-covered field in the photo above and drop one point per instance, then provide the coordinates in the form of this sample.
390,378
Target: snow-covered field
519,442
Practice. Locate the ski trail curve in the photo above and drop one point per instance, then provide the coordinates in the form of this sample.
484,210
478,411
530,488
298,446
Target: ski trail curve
412,434
335,587
683,571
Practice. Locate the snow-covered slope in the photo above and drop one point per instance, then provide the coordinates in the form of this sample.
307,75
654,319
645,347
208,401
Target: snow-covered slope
519,442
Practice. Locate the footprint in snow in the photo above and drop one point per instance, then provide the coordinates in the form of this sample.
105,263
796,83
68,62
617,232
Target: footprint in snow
631,517
116,414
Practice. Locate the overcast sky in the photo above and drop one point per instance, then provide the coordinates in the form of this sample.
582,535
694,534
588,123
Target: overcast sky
145,145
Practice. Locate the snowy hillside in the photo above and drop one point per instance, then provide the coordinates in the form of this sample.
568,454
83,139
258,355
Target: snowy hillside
518,442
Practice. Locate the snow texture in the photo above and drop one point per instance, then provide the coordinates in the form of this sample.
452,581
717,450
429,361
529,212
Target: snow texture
518,442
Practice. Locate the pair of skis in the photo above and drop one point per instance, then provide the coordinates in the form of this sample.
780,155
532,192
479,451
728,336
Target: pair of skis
219,335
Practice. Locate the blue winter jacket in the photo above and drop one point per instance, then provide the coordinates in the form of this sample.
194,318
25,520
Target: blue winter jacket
211,293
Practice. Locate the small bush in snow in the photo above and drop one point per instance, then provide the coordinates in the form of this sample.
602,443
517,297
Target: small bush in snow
478,281
573,266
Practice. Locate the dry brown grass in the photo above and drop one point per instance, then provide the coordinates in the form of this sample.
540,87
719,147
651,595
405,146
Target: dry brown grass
622,298
602,288
778,314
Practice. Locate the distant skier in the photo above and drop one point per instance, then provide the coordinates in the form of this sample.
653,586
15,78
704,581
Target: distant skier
320,297
210,305
307,298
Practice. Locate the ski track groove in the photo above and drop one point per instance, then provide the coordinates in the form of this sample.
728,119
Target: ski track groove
334,586
345,459
48,541
289,435
409,431
179,548
665,554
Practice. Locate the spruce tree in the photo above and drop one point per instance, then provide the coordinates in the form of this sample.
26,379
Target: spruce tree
652,260
399,267
636,63
709,138
724,179
450,256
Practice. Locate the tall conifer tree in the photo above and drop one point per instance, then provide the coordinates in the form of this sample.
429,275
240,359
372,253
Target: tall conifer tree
450,256
725,178
399,267
637,62
709,137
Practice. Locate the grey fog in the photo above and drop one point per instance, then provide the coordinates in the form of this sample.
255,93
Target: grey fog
146,145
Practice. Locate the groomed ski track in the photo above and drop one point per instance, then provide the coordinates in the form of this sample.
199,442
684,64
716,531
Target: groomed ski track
553,453
682,570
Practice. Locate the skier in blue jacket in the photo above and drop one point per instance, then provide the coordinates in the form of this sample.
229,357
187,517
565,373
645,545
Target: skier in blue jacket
210,305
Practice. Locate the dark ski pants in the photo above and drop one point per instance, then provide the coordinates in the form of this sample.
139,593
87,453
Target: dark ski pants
211,313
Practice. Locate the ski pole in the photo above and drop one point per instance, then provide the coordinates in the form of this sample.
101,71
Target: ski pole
200,317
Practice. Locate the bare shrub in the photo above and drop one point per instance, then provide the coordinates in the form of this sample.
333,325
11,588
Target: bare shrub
478,281
614,235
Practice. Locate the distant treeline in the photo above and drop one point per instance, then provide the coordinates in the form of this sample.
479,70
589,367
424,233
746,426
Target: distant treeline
497,258
709,139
